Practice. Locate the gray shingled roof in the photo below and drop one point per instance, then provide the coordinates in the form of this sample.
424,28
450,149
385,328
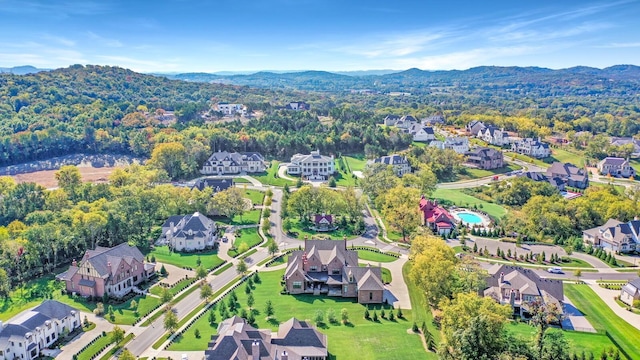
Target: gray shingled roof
394,159
521,278
100,257
215,184
613,161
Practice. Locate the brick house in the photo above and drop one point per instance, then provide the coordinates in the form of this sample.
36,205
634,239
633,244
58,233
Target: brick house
327,267
436,217
114,271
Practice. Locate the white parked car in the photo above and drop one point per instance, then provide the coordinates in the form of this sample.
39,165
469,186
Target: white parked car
555,270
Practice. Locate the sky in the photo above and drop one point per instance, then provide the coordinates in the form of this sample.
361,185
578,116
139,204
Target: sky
331,35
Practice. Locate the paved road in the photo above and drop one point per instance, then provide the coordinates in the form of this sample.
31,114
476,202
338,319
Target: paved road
153,332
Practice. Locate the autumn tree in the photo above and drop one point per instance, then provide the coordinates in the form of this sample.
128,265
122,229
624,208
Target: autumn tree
229,203
422,179
434,267
170,157
378,179
399,207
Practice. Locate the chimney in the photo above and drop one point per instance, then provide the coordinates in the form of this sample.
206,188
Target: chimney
109,265
74,263
284,356
255,350
501,277
344,238
512,298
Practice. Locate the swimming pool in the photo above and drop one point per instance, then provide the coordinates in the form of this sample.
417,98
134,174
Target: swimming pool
469,218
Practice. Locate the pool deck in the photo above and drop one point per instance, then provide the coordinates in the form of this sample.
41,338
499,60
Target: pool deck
485,221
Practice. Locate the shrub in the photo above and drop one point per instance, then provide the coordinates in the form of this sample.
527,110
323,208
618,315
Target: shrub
391,316
383,314
400,315
196,332
414,327
331,316
344,314
366,314
375,315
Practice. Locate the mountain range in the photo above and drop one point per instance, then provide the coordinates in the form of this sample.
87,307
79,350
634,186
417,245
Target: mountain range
22,70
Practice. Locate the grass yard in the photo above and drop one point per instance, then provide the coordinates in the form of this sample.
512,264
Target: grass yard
345,179
635,163
271,176
299,231
420,308
367,255
527,159
247,236
356,162
621,189
578,341
565,156
382,340
209,259
255,196
240,180
601,317
93,349
457,197
474,173
419,144
573,262
157,290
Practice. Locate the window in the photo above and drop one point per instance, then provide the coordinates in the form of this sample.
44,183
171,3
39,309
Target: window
345,289
370,296
313,268
297,284
335,272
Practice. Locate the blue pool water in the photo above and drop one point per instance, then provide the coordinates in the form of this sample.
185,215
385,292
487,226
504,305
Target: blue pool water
470,218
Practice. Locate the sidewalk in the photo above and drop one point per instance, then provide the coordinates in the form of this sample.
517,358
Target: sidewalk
607,296
75,345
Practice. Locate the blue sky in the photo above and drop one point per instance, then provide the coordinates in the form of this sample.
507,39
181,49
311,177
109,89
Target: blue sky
245,35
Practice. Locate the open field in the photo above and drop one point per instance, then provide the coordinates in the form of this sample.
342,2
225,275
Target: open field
458,198
47,178
209,259
375,340
603,318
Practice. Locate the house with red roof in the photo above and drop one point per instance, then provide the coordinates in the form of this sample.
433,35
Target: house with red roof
436,217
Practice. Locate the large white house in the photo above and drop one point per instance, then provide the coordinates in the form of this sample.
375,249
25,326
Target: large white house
30,332
531,147
459,144
400,164
494,136
231,109
421,132
223,163
189,232
313,166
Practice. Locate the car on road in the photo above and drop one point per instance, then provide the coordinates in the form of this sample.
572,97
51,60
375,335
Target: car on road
555,270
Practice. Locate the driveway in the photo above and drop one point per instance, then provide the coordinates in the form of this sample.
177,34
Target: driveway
608,297
574,319
175,273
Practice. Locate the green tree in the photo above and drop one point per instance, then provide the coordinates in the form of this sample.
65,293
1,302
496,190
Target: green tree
201,272
212,317
344,315
268,309
434,267
5,284
117,334
69,179
126,355
250,301
273,247
400,210
170,157
165,295
577,273
205,290
542,316
554,346
319,317
241,268
229,203
170,320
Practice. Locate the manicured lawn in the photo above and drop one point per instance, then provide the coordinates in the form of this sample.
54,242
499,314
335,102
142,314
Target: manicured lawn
473,173
271,176
635,163
280,260
419,144
356,162
299,231
458,198
420,308
95,347
251,217
157,290
255,196
374,256
619,188
125,315
247,236
527,159
573,262
601,317
362,339
209,259
566,156
578,341
345,179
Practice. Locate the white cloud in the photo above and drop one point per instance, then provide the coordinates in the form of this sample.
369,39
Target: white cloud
59,39
464,59
103,40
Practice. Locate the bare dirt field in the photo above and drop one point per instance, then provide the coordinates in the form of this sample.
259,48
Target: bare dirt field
47,178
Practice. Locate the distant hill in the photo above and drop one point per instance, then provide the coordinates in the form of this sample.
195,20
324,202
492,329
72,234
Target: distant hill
416,80
22,70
